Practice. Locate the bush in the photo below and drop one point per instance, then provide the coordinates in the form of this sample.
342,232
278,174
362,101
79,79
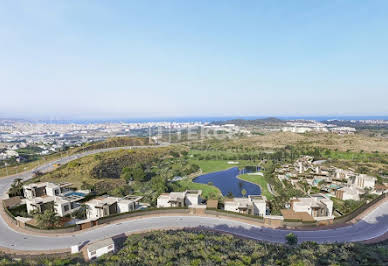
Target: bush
291,239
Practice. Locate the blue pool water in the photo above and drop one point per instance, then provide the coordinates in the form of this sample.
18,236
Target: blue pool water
227,181
75,194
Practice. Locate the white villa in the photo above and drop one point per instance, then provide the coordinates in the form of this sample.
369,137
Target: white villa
254,205
40,189
106,205
189,198
363,181
348,193
315,205
46,195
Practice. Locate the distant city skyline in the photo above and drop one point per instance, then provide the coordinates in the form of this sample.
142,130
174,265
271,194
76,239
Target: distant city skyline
138,59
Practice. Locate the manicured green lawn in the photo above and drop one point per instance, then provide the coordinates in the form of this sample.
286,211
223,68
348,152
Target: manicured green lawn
210,192
259,180
209,166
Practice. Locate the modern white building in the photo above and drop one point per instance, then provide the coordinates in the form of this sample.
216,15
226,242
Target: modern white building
348,193
62,205
363,181
100,248
188,198
105,206
45,195
45,189
253,205
315,205
39,204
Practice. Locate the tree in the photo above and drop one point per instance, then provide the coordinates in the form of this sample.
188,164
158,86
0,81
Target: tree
48,219
243,192
16,187
81,212
291,239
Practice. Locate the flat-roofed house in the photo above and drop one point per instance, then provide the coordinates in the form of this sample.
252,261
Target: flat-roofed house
34,190
193,197
363,181
348,193
128,203
100,248
101,207
62,205
253,205
179,199
315,205
105,206
39,204
44,189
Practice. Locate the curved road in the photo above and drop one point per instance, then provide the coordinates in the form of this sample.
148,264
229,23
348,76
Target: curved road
371,226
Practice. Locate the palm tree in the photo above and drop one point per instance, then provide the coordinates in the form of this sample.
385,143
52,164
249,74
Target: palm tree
16,187
47,219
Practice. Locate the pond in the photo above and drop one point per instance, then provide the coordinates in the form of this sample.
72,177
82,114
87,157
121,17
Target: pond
227,181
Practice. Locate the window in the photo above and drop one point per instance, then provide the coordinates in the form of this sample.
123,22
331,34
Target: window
66,208
93,253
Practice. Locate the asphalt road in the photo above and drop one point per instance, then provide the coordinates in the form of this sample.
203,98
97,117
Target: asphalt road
373,225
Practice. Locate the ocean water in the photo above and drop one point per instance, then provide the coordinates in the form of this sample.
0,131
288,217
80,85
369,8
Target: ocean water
205,119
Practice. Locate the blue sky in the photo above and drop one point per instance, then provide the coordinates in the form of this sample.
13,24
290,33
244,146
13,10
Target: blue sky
101,59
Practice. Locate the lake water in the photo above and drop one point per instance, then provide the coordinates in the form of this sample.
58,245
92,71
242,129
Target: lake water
227,181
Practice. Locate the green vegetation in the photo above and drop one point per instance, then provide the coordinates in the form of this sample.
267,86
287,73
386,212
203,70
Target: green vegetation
20,210
210,248
258,180
208,166
115,142
31,161
16,188
291,239
208,191
145,172
47,220
201,247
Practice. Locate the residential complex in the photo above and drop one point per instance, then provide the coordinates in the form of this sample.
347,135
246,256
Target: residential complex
336,182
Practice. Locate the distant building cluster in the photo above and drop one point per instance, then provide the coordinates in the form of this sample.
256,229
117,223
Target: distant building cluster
314,126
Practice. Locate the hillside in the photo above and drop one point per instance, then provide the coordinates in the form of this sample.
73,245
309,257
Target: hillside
106,166
115,142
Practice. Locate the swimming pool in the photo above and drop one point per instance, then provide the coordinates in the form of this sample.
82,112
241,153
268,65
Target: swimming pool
73,193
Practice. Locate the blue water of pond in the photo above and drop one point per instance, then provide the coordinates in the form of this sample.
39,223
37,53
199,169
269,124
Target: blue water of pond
227,181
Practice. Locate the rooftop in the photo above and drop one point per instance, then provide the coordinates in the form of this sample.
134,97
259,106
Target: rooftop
100,244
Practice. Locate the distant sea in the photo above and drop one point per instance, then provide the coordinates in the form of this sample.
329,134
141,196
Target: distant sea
204,119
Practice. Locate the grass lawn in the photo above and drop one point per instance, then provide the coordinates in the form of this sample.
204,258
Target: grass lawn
259,180
210,192
209,166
